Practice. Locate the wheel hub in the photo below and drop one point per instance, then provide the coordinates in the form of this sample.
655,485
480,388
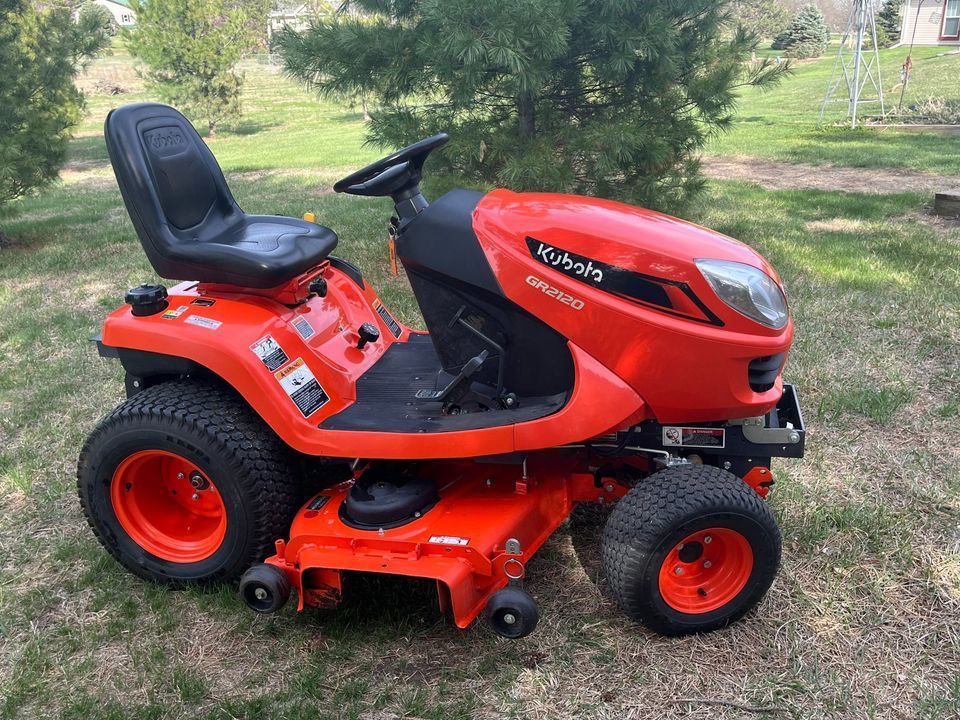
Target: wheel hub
705,570
168,506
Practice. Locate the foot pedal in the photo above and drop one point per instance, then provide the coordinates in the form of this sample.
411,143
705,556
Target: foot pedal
469,368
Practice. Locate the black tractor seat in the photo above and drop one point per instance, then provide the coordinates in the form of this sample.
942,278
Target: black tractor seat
190,226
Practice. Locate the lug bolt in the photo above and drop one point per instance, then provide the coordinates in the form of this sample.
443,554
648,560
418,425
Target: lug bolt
707,564
260,594
707,540
179,476
509,618
678,570
489,482
609,488
195,496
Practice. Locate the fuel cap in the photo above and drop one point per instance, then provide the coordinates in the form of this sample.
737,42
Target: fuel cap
146,299
368,333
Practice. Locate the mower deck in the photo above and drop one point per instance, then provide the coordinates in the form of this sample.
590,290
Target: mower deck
489,521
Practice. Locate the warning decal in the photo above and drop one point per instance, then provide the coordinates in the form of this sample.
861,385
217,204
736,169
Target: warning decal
703,437
449,540
303,326
387,318
173,314
299,383
270,352
203,322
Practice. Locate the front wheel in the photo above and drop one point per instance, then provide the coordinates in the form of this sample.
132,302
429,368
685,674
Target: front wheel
183,483
691,549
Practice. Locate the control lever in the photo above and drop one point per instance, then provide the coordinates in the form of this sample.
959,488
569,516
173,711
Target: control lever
469,368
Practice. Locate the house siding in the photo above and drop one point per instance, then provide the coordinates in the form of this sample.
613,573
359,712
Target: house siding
928,25
123,15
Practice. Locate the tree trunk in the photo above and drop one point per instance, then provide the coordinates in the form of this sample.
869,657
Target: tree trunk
212,127
366,113
526,115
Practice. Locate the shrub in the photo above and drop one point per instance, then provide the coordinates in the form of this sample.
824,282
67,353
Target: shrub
598,96
807,36
763,18
96,15
190,49
888,23
935,111
39,103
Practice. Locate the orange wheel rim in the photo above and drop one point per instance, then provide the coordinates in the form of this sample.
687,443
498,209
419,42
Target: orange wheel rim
168,506
705,570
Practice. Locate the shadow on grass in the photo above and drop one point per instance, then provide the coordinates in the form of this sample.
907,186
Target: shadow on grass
869,148
87,149
241,129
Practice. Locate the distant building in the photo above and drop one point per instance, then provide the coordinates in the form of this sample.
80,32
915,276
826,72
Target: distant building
120,9
295,16
937,22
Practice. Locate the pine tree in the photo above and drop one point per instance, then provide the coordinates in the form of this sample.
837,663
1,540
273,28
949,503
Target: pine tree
42,49
97,15
190,49
807,36
888,23
764,18
609,97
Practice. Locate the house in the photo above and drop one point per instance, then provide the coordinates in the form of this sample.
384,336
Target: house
937,22
120,9
294,16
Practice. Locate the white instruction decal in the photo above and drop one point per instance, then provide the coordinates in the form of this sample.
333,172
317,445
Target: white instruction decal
300,384
270,352
203,322
303,326
449,540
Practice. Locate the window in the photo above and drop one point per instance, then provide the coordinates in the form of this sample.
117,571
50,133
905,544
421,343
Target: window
951,20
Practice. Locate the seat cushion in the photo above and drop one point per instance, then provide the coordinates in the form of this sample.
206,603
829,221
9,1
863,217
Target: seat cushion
190,226
258,251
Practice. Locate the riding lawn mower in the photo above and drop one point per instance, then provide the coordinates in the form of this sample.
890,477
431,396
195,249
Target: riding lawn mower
283,427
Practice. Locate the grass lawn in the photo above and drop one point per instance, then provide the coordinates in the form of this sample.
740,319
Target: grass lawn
782,123
863,622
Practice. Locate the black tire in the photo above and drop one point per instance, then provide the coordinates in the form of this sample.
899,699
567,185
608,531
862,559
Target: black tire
264,588
512,613
213,428
665,509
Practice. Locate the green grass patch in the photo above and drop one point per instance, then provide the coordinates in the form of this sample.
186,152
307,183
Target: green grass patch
782,123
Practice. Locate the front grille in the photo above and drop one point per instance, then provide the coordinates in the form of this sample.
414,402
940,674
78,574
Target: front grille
762,372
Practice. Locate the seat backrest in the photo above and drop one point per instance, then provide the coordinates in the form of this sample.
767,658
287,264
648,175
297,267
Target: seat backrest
171,184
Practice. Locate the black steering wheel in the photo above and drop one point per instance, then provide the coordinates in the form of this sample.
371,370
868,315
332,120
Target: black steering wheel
393,175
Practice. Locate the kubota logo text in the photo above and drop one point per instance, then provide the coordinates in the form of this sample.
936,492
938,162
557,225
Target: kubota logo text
561,259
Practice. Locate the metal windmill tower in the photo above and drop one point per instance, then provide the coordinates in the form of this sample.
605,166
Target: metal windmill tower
855,67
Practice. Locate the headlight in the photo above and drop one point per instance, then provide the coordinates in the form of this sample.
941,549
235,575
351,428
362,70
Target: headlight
747,290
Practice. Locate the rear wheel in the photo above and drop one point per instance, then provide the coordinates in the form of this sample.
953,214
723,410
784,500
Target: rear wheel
183,483
691,549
